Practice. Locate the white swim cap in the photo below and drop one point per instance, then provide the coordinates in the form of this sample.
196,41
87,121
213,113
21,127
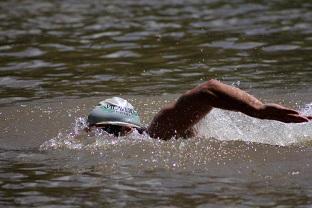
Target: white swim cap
116,111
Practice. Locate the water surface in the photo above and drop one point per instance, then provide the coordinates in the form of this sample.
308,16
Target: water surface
59,58
88,47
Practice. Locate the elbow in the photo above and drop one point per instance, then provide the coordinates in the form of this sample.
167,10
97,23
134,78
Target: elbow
209,87
213,82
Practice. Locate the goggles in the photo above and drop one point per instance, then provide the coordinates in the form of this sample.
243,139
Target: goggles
118,130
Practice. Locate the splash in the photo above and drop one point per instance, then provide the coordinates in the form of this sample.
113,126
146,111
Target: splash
307,110
226,126
219,124
76,138
228,139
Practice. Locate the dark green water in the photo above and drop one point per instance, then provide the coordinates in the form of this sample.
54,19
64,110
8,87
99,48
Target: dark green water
60,57
82,48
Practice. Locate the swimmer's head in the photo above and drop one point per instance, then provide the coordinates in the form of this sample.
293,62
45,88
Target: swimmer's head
114,115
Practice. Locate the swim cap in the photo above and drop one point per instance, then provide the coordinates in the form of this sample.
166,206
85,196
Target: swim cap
116,111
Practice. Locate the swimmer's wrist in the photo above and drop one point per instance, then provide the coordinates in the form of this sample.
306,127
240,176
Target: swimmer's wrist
261,111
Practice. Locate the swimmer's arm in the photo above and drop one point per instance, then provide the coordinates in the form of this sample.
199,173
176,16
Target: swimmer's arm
180,116
219,95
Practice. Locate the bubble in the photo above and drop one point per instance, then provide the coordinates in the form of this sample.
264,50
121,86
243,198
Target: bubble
307,109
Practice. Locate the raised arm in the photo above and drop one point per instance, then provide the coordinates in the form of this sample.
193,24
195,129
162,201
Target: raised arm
178,118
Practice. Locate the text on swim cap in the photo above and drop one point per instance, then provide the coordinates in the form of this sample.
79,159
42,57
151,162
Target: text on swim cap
124,110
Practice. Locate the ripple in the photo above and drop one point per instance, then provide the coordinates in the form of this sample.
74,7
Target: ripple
191,74
276,48
123,45
123,54
29,65
158,72
13,82
229,44
29,52
134,36
102,34
59,47
5,47
68,46
104,77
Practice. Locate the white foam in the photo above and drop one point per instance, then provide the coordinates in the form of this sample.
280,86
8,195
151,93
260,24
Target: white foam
219,124
226,125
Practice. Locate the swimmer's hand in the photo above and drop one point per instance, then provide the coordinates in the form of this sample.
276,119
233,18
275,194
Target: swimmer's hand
281,113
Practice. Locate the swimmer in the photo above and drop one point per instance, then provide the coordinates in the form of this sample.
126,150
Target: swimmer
118,117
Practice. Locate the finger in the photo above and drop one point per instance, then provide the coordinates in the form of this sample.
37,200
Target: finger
296,119
285,109
291,111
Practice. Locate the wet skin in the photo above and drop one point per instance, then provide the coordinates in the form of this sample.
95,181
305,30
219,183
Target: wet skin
178,118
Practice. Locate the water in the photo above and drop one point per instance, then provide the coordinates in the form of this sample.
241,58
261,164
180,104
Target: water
59,58
82,48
